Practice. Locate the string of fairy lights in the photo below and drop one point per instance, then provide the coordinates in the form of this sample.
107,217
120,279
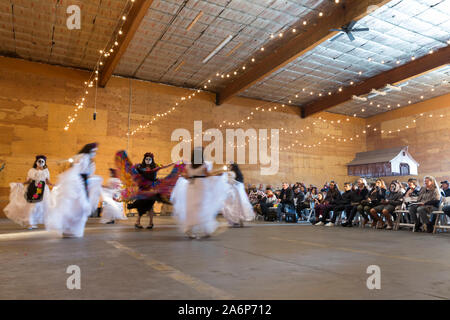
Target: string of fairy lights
366,131
222,75
269,107
104,53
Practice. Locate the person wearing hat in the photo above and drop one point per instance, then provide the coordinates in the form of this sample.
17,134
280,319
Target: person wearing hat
445,188
30,201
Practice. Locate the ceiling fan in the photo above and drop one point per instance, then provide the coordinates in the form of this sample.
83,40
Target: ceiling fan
348,29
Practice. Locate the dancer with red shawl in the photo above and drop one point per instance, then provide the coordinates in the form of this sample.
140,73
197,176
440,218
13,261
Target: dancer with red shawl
141,185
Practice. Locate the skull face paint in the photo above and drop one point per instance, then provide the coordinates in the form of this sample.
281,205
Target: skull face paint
40,163
148,160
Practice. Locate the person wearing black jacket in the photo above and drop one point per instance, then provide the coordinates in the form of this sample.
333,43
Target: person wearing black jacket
375,198
387,206
342,204
286,201
357,197
332,199
445,188
300,198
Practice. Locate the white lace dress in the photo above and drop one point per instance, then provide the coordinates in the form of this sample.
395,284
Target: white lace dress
197,200
19,209
112,209
71,204
237,207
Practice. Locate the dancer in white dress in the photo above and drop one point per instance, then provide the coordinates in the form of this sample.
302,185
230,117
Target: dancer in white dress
76,195
27,205
198,198
112,206
237,207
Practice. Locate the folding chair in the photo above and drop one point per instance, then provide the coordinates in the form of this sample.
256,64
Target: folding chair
312,212
339,216
442,222
402,219
402,215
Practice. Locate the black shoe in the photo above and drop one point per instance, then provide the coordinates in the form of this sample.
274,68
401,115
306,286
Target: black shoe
430,227
150,226
111,222
138,226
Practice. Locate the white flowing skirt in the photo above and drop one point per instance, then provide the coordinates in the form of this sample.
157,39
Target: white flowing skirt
196,203
112,210
71,207
237,207
23,212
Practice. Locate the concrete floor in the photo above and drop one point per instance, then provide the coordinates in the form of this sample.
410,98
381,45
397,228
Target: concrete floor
260,261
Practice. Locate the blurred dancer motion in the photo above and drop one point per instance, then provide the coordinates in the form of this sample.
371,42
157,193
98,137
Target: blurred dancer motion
237,207
198,197
76,195
112,203
141,185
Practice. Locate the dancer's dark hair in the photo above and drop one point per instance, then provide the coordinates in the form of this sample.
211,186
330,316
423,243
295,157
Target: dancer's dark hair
113,172
88,148
237,171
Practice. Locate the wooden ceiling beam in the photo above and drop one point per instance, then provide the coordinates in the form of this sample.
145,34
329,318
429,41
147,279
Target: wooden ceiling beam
134,19
293,48
402,73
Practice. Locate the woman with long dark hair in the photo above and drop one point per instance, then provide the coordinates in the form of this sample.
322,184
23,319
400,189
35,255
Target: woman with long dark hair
198,197
29,201
76,195
147,170
142,185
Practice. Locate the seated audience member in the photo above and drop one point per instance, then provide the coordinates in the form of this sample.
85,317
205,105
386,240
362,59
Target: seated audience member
427,201
358,196
411,194
303,204
299,197
445,192
312,194
376,195
445,188
413,189
267,202
255,195
298,194
317,202
343,205
387,206
332,198
286,201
